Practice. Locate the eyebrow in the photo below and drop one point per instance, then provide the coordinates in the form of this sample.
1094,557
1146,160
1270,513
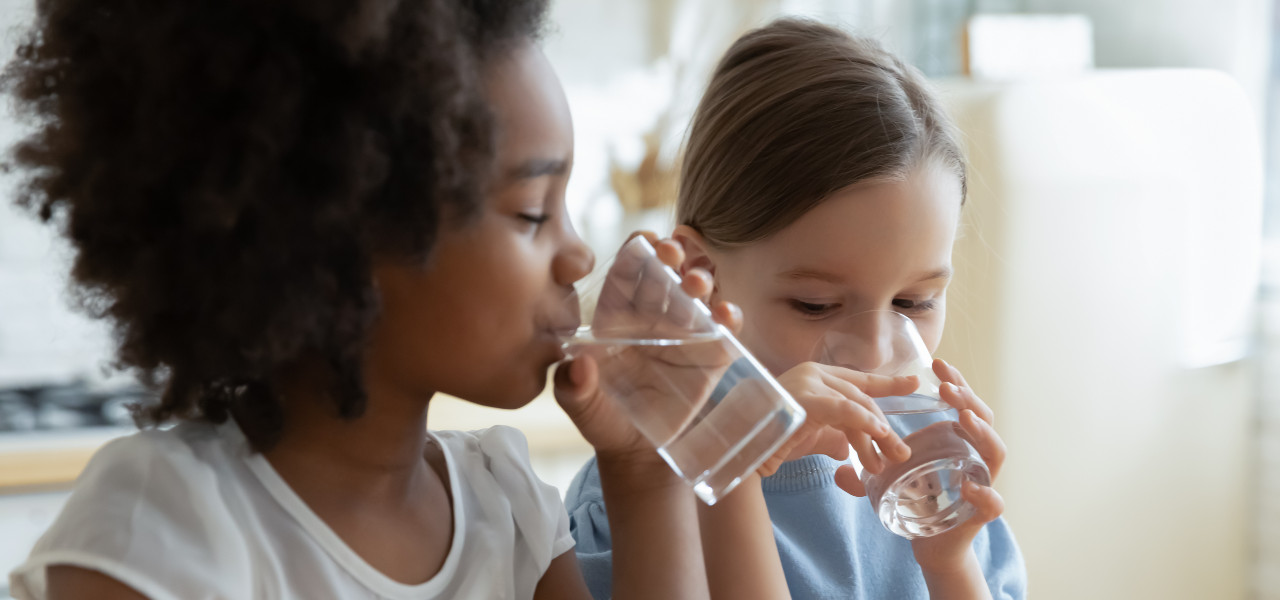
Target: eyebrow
811,274
538,167
939,273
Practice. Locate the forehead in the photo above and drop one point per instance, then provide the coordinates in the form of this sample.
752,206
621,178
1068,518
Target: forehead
529,106
875,231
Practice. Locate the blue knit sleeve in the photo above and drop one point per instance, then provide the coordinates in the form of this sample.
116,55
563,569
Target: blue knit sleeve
588,521
589,524
1001,561
829,542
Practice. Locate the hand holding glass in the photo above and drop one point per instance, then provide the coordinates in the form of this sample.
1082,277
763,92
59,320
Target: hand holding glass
712,411
919,497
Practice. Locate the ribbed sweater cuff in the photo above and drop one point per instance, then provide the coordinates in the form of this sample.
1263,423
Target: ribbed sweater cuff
809,473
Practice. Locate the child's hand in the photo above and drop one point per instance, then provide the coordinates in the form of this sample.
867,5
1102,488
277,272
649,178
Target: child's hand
841,413
950,551
577,382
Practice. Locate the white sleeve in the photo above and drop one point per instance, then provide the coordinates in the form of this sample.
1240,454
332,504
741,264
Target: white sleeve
536,506
145,512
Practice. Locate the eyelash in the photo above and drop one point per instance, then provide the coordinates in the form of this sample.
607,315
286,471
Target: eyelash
534,219
915,305
811,309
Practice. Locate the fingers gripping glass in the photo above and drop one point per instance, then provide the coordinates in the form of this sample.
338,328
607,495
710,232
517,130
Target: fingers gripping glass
921,496
712,411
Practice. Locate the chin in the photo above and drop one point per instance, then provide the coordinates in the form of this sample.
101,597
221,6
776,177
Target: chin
515,394
515,385
513,401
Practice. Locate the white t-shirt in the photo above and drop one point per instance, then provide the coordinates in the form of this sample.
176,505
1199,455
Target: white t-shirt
192,514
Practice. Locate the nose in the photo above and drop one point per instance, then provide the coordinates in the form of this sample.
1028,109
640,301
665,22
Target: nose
574,260
864,343
875,345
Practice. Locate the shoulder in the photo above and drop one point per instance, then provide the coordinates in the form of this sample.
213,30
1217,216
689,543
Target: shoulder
499,456
499,447
151,471
146,506
498,492
494,464
132,462
160,474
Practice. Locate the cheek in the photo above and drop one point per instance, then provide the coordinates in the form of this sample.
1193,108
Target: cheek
931,328
454,326
771,331
779,341
423,324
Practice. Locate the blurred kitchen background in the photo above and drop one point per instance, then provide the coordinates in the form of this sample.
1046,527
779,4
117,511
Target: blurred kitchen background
1116,297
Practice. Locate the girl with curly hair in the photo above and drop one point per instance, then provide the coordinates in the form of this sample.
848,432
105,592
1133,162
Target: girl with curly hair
304,218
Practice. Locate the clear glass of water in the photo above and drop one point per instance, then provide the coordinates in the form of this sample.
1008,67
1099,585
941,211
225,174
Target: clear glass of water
921,496
711,410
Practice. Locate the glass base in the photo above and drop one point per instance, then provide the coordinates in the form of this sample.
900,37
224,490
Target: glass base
926,500
743,459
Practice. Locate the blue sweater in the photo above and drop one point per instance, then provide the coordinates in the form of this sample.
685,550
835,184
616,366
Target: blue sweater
831,544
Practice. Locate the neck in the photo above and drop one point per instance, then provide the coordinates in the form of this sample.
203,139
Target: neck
379,454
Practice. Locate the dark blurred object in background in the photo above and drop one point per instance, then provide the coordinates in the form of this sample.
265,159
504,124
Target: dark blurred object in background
68,406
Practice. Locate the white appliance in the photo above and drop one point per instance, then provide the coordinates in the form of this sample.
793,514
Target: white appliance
1104,306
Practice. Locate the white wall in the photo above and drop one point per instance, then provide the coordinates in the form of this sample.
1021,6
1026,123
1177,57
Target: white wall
1234,36
1101,304
41,339
1228,35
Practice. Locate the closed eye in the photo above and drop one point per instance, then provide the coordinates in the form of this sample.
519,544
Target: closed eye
534,219
812,309
908,305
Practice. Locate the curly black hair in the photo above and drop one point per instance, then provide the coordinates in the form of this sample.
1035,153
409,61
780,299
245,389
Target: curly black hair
227,169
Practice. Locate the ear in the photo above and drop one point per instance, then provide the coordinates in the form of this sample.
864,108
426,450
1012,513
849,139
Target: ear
697,253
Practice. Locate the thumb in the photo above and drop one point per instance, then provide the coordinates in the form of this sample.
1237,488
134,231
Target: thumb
987,506
987,503
576,381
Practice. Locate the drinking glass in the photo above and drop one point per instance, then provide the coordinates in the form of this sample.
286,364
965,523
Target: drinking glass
711,410
921,496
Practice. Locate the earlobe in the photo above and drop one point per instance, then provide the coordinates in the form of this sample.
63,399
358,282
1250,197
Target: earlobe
697,253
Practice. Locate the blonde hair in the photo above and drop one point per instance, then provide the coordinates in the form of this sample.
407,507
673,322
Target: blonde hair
795,111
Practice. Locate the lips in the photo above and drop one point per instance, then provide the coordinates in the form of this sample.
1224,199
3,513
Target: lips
567,318
564,328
